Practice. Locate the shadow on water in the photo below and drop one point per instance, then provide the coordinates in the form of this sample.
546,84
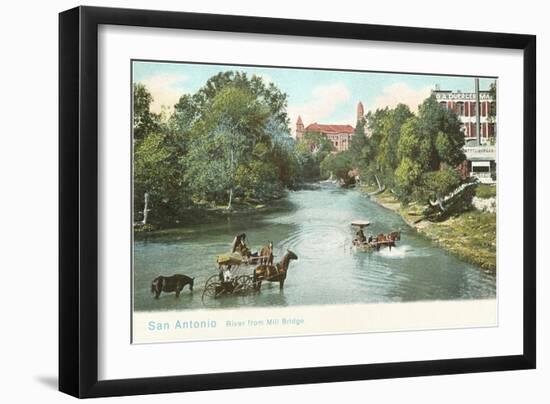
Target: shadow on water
315,224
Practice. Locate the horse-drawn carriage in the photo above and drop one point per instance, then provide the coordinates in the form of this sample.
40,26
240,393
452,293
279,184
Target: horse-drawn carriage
373,243
231,280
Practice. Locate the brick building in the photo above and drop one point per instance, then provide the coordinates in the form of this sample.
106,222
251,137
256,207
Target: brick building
340,135
464,104
480,153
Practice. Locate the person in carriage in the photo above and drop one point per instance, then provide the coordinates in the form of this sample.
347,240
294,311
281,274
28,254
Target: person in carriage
239,243
239,246
225,273
360,238
227,265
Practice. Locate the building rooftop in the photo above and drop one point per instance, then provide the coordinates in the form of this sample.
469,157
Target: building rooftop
317,127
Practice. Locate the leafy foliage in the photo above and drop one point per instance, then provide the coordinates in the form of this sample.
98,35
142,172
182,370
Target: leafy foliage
156,174
229,140
358,141
317,143
414,155
310,152
437,184
145,121
340,165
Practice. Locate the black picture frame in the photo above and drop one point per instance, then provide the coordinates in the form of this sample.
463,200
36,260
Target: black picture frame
78,200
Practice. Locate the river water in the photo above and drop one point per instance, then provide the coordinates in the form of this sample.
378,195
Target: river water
315,225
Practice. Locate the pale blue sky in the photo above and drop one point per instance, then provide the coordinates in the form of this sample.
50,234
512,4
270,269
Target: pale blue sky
317,95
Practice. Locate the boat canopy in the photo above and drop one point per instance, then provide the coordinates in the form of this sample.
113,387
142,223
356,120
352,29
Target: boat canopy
360,223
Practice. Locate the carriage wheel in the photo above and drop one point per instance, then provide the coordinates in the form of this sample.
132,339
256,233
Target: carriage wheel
243,284
211,288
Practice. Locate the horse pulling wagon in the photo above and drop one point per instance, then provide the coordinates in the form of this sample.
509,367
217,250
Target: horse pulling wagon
231,281
373,243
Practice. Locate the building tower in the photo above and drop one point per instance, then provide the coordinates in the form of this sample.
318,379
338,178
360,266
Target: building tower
360,111
299,128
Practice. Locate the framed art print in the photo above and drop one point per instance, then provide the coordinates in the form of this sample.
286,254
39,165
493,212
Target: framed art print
272,201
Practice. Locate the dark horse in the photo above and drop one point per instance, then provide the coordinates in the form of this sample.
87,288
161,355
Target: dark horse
266,254
174,283
273,273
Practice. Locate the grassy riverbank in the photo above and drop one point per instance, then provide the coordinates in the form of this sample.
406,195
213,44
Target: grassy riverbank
469,235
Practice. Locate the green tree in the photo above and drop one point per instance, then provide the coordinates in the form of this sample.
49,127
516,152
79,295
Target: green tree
438,184
391,124
318,143
211,166
184,116
413,145
441,127
309,152
408,178
265,128
358,140
368,163
267,94
307,162
228,140
257,179
415,155
285,162
340,165
429,150
144,121
227,137
155,174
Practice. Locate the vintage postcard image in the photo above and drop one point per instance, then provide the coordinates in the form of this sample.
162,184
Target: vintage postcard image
280,201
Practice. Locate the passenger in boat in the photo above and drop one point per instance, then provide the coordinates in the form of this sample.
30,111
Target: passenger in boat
369,240
360,236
